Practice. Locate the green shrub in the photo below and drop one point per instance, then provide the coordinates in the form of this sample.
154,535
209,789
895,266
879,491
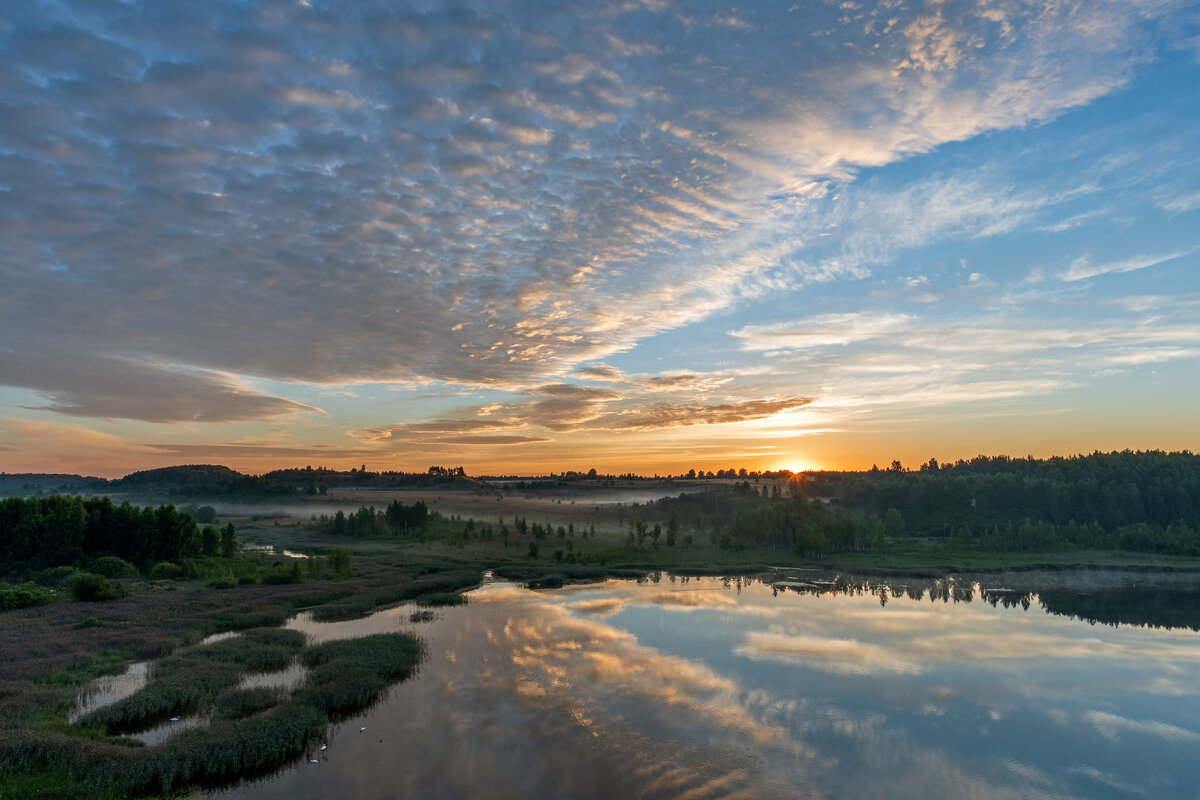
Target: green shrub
247,579
113,567
165,571
223,582
89,622
23,595
90,587
280,573
57,576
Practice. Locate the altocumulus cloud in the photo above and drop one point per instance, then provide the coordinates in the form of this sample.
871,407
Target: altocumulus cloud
495,195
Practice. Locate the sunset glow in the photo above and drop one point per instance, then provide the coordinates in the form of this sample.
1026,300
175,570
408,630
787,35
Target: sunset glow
527,237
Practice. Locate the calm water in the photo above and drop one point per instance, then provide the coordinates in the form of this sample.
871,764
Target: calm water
705,688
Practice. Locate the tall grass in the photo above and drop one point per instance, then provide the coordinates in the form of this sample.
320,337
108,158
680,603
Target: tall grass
186,680
348,675
252,730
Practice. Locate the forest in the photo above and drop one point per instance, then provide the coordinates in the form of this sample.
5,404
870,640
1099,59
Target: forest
1132,501
63,530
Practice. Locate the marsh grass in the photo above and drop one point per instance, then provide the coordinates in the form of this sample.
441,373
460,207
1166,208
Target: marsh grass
432,584
348,675
252,731
186,680
244,702
434,599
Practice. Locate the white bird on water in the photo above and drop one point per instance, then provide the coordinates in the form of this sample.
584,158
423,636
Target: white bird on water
174,719
324,746
360,730
313,761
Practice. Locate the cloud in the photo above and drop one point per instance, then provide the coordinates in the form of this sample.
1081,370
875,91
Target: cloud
839,656
94,385
1112,726
822,331
469,195
670,415
600,372
1082,268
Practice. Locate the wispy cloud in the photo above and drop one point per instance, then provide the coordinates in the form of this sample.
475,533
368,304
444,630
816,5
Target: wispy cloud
1082,267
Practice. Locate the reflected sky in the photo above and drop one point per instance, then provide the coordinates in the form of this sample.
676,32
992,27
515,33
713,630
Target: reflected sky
708,688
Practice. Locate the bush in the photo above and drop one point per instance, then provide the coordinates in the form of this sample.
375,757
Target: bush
57,576
282,574
23,595
223,582
113,567
165,571
90,588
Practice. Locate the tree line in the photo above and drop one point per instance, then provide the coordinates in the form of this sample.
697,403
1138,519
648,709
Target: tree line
396,520
1139,501
66,530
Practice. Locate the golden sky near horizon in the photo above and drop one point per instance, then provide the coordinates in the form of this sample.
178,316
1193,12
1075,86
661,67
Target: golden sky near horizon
639,238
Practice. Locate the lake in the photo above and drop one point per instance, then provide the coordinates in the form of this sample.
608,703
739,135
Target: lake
787,687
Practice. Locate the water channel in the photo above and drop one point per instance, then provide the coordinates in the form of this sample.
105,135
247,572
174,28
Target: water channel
710,688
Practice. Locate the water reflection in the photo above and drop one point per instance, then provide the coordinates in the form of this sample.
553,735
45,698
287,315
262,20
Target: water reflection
108,689
795,686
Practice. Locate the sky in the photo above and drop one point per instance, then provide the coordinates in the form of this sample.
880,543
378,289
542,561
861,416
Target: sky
631,236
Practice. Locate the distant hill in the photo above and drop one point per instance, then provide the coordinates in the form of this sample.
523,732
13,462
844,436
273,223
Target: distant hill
25,483
200,481
308,480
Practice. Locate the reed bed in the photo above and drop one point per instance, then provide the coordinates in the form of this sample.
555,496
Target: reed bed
252,730
348,675
244,702
193,677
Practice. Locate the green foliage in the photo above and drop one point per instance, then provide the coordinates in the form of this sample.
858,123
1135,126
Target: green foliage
346,676
202,481
283,573
90,587
397,520
165,571
339,562
430,599
1140,502
113,567
229,540
89,622
61,530
210,540
23,595
244,702
223,582
893,524
183,681
58,576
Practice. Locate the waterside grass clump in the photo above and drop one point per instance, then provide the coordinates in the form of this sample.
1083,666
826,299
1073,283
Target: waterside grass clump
241,703
184,681
348,675
251,730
